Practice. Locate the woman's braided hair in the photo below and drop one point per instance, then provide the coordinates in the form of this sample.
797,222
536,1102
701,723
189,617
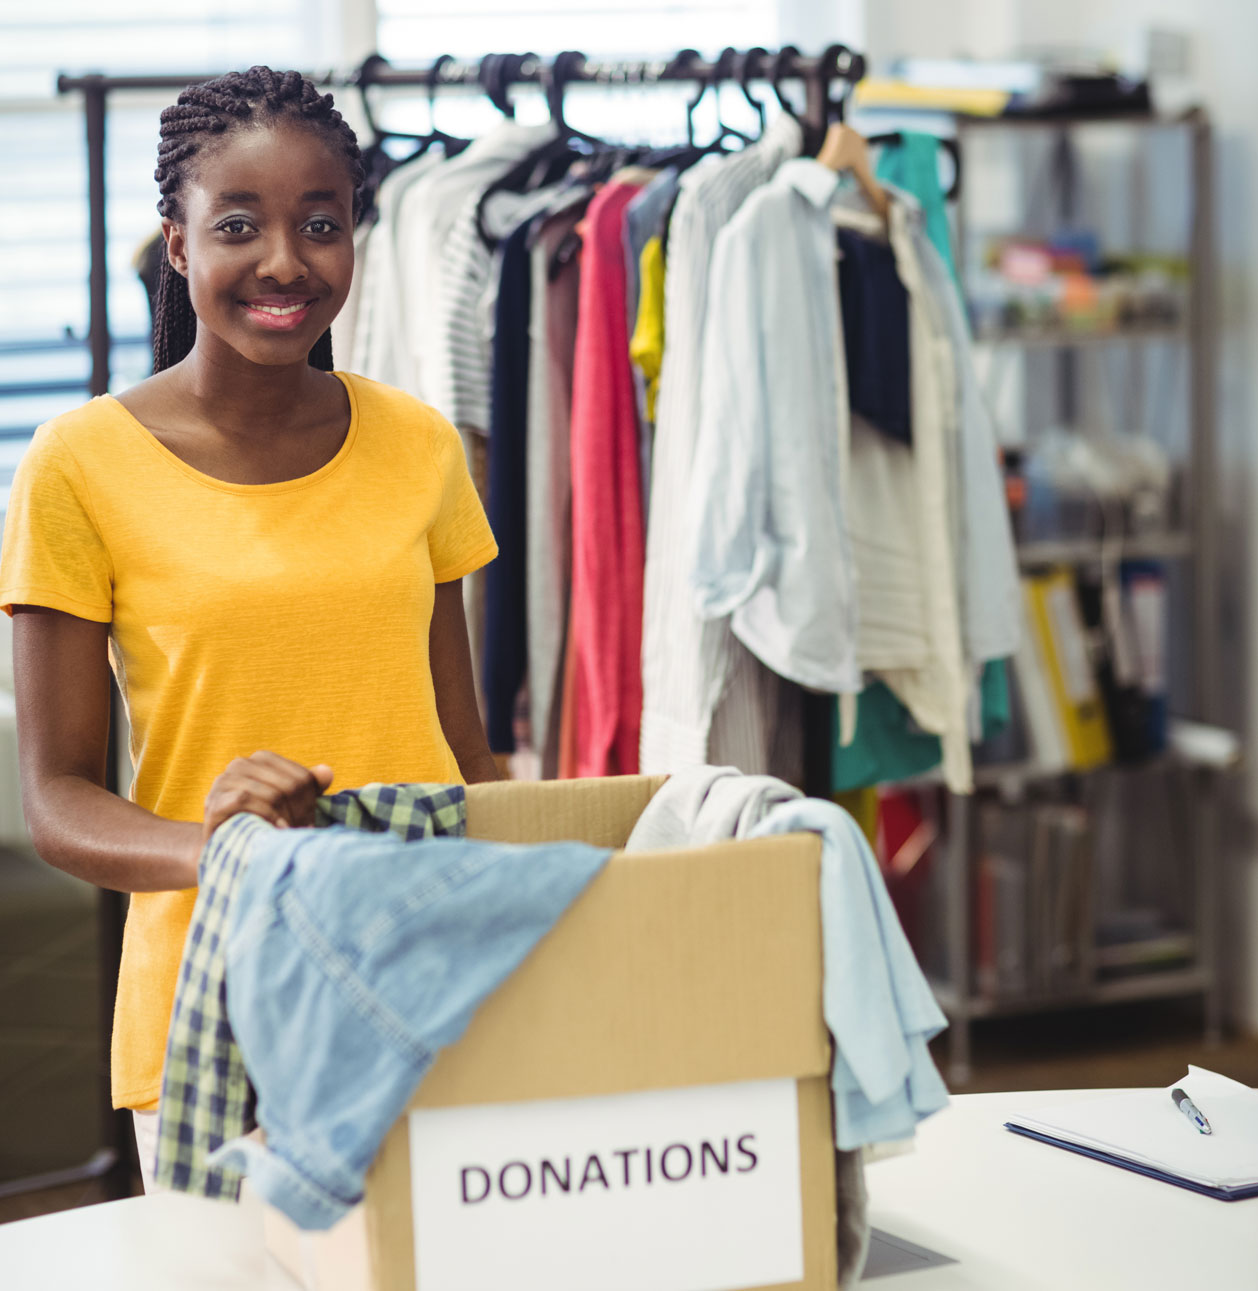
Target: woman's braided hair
211,109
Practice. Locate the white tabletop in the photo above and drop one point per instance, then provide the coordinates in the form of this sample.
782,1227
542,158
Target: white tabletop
166,1242
1016,1215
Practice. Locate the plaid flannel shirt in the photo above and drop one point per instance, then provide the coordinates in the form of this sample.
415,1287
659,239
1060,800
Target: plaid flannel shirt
206,1096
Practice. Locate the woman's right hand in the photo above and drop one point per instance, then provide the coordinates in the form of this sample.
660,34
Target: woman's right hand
276,788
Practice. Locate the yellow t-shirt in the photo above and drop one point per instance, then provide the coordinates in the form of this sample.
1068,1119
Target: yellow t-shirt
292,617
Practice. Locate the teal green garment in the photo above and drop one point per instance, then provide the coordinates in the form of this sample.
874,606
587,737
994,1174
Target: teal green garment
889,746
914,167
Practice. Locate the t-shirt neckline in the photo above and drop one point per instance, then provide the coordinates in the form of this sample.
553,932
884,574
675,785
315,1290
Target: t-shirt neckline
227,486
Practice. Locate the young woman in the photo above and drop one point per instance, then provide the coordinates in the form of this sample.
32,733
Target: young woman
266,551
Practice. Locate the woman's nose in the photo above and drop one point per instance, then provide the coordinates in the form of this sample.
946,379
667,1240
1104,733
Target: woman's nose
282,261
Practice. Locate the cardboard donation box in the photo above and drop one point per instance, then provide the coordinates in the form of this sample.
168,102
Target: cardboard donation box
645,1103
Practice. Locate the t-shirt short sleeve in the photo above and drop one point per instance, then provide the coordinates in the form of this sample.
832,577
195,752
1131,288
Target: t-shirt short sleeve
52,554
460,540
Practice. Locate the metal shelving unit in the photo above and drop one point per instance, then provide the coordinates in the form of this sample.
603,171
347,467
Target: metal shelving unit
1171,964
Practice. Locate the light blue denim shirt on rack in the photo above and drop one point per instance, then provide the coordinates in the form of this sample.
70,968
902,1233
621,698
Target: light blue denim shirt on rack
352,960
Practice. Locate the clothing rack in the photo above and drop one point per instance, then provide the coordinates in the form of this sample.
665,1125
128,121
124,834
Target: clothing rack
493,74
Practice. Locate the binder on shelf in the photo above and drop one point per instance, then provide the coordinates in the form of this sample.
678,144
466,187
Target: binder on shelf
1142,1130
1046,734
1063,646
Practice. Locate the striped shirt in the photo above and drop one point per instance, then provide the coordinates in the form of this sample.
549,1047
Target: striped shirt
463,358
705,697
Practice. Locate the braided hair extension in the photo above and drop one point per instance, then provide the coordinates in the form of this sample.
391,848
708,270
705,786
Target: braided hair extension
201,113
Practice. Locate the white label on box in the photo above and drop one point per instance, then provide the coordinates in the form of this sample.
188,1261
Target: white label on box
677,1190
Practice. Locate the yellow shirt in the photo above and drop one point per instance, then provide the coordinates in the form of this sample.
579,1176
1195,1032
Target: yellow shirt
646,346
292,617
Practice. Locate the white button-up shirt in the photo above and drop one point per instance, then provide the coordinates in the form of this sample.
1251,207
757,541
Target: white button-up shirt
767,541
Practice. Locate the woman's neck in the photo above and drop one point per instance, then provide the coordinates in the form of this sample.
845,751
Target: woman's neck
236,395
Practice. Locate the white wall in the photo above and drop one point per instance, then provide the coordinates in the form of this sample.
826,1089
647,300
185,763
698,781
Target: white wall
1223,37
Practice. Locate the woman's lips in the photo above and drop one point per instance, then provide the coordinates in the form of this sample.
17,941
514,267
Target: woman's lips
279,318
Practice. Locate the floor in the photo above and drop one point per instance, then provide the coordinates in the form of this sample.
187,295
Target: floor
1115,1047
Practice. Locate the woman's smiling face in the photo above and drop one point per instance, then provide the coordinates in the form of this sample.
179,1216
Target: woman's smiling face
266,242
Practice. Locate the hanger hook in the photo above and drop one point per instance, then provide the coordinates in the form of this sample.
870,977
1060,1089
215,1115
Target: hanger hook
561,71
781,65
362,78
682,64
434,78
493,80
747,65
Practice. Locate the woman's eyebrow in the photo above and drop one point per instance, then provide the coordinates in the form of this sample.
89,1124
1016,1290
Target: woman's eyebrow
314,195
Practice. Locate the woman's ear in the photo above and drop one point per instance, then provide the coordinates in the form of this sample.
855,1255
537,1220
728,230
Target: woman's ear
176,246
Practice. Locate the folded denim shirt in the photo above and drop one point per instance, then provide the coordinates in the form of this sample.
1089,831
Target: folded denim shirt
352,960
206,1095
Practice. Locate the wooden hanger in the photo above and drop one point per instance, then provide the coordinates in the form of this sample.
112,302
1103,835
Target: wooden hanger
845,149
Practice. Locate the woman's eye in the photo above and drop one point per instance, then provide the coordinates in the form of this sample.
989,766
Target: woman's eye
322,226
234,227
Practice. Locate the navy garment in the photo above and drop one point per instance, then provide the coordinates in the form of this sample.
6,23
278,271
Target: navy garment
505,659
875,309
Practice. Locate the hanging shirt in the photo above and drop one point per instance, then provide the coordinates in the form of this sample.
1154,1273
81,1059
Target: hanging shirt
646,346
938,689
768,540
291,616
875,310
506,632
692,666
427,214
607,529
555,287
645,218
378,345
465,303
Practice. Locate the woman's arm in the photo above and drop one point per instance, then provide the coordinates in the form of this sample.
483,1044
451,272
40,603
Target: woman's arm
450,658
61,675
61,678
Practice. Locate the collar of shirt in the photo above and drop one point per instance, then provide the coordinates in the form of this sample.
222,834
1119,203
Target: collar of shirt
808,177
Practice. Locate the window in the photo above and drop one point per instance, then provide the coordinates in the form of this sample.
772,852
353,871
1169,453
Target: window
44,359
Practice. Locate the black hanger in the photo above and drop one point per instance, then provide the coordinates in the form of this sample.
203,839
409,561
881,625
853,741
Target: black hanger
778,66
894,138
451,144
746,66
364,77
720,71
551,160
840,63
377,160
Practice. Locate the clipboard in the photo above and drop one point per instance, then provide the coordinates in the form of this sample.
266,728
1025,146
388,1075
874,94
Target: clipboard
1242,1192
1143,1130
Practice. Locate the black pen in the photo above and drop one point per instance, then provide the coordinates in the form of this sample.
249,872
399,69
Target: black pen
1190,1110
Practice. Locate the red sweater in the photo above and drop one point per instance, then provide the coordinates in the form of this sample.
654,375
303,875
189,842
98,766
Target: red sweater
608,552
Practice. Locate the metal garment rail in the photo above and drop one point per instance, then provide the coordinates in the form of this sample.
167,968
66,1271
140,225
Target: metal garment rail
495,72
492,74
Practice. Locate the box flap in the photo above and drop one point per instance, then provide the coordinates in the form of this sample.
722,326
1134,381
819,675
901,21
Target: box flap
687,967
601,812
